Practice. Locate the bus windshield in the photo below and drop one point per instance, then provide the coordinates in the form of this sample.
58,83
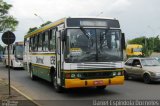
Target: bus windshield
19,52
93,45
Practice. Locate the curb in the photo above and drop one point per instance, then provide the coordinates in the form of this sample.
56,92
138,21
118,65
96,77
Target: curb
29,98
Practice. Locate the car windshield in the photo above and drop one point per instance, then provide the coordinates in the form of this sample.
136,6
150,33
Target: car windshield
158,58
150,62
93,45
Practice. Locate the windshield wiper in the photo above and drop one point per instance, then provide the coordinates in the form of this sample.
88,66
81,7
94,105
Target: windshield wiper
84,32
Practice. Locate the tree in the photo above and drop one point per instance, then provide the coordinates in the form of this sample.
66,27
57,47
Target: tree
7,22
140,40
1,51
48,22
147,44
32,29
35,28
1,48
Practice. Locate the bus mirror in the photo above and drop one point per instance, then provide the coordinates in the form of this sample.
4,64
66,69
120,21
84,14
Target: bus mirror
64,35
123,41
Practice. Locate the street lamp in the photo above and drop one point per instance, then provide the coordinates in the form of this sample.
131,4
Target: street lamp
39,17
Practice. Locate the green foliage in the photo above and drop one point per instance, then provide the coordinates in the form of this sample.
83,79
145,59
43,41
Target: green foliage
1,48
32,29
140,40
157,44
150,45
46,23
35,28
6,21
4,7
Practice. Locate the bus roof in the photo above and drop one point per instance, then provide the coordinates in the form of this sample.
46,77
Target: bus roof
53,24
45,27
89,17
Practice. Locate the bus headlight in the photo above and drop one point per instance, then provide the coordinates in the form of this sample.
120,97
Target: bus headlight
73,75
119,73
114,73
79,75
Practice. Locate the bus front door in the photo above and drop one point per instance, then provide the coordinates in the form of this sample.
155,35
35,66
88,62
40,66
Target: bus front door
58,57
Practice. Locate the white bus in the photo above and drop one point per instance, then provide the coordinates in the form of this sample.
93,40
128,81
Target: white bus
16,55
76,52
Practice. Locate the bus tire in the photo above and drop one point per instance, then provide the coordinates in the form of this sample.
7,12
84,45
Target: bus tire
57,87
101,87
33,77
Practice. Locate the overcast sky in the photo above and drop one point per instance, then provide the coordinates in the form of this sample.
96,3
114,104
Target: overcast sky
137,17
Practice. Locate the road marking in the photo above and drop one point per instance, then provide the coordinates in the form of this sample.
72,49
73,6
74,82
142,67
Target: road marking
29,98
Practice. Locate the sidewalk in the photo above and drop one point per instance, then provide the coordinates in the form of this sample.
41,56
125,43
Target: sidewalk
16,99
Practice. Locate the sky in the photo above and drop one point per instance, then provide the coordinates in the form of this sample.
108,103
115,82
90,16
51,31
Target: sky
137,17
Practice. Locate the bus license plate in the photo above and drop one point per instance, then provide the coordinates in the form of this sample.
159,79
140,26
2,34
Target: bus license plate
99,82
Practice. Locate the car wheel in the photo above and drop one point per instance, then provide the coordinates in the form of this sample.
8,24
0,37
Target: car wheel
101,87
146,78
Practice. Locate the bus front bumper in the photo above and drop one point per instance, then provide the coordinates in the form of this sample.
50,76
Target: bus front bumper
75,83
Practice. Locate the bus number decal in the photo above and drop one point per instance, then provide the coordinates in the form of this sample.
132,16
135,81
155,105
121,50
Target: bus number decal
52,60
39,60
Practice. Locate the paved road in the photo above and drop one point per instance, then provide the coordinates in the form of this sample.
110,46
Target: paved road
42,90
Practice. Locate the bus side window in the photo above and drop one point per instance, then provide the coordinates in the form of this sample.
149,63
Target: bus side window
45,41
43,38
52,41
33,44
30,44
40,42
25,42
36,43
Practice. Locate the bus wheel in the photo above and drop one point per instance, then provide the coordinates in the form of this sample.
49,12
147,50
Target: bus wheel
33,77
57,87
101,87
